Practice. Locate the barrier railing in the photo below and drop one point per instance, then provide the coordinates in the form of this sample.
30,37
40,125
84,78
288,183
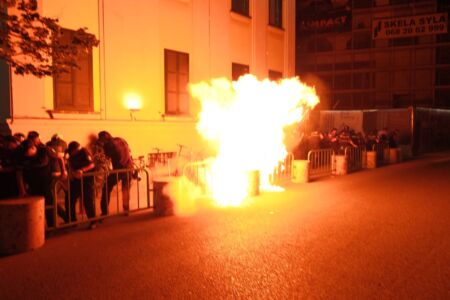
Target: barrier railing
162,160
198,173
355,158
382,150
64,189
320,162
283,170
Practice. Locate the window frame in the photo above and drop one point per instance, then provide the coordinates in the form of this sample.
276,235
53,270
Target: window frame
58,104
276,16
241,7
275,75
236,69
178,111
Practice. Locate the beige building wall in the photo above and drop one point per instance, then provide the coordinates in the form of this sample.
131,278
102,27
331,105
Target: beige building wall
130,59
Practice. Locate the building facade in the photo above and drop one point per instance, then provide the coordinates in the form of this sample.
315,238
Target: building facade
135,83
365,54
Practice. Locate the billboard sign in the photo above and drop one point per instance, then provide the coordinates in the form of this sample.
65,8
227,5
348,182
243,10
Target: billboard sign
398,27
321,16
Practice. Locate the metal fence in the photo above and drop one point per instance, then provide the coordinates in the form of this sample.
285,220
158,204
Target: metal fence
199,173
355,158
320,162
63,190
282,172
163,160
382,150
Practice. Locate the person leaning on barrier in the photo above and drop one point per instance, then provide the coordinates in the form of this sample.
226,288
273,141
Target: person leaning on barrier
345,140
393,139
315,139
119,152
372,139
80,162
34,175
333,140
57,148
101,161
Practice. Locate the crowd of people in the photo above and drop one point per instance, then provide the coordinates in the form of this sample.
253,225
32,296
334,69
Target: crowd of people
338,140
28,167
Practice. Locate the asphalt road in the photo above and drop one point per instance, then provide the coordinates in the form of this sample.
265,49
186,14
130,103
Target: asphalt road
379,234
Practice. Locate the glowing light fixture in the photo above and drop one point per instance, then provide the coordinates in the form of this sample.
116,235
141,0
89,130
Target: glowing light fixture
133,102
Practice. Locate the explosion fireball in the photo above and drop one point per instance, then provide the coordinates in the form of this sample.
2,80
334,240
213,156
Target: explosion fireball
245,122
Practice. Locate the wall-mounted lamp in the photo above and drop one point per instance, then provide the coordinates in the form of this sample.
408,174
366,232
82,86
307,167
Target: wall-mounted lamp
133,103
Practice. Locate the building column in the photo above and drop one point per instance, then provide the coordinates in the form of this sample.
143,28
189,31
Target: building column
289,38
259,14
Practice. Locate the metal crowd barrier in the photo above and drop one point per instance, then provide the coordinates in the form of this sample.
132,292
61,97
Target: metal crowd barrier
198,173
162,160
283,170
382,150
62,189
355,158
320,162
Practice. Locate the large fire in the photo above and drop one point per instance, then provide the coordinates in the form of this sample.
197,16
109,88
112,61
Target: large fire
244,121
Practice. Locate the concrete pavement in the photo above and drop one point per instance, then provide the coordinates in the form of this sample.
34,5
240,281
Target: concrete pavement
379,234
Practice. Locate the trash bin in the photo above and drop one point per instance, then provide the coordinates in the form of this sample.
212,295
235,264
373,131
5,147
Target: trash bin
300,171
371,159
253,182
162,203
393,155
341,165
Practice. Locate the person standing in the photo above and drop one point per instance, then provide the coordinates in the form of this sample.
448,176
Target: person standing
80,162
7,168
118,151
34,176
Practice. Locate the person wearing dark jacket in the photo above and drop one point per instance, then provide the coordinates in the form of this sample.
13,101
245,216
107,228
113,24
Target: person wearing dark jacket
34,175
80,162
116,149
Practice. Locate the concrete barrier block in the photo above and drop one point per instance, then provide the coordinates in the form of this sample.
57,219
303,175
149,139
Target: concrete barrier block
22,224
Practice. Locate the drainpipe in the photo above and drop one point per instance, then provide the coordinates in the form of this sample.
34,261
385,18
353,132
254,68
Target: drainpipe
11,108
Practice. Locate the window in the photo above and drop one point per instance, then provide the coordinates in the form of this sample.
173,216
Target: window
362,3
443,55
398,2
240,6
361,80
275,13
401,100
275,75
403,41
442,98
176,69
73,90
343,81
443,76
237,70
362,40
323,45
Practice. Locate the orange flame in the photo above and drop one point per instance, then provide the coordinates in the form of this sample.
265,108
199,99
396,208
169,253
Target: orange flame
244,121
